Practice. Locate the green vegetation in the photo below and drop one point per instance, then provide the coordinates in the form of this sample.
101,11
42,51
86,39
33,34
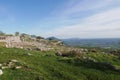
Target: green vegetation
47,66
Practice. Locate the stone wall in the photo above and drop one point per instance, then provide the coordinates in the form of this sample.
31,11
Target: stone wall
8,39
2,38
13,39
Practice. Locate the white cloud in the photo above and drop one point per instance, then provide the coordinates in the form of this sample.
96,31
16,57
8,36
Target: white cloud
102,25
77,6
105,17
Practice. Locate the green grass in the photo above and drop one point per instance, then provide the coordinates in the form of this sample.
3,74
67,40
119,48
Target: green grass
47,66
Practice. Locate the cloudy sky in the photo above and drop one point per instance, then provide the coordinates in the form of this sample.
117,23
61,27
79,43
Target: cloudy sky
62,18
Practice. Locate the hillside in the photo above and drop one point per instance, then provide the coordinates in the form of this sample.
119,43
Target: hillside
27,57
59,39
37,65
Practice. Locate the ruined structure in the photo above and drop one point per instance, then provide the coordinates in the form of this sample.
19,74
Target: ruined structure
2,38
29,43
10,40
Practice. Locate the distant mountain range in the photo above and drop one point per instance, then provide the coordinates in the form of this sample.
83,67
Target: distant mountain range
103,42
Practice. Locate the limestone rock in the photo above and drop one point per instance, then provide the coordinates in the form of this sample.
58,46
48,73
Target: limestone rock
18,67
11,64
0,65
4,67
14,60
1,72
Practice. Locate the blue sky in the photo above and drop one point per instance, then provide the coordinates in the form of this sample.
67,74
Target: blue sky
62,18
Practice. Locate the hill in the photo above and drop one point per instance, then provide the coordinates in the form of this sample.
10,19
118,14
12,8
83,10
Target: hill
31,57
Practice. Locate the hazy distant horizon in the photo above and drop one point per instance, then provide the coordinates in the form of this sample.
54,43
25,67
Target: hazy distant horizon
66,37
61,18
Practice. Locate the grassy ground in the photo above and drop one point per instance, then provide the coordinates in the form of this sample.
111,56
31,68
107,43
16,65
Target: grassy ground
47,66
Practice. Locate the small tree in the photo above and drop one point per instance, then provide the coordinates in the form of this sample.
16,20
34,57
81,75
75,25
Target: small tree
17,33
25,37
39,37
2,33
33,36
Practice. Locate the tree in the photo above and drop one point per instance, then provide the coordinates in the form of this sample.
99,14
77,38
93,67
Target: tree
2,33
39,37
25,37
33,36
17,33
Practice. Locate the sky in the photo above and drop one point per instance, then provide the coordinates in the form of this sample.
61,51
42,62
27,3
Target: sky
61,18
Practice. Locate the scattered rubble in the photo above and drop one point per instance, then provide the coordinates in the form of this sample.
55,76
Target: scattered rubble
66,54
71,52
89,59
11,64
